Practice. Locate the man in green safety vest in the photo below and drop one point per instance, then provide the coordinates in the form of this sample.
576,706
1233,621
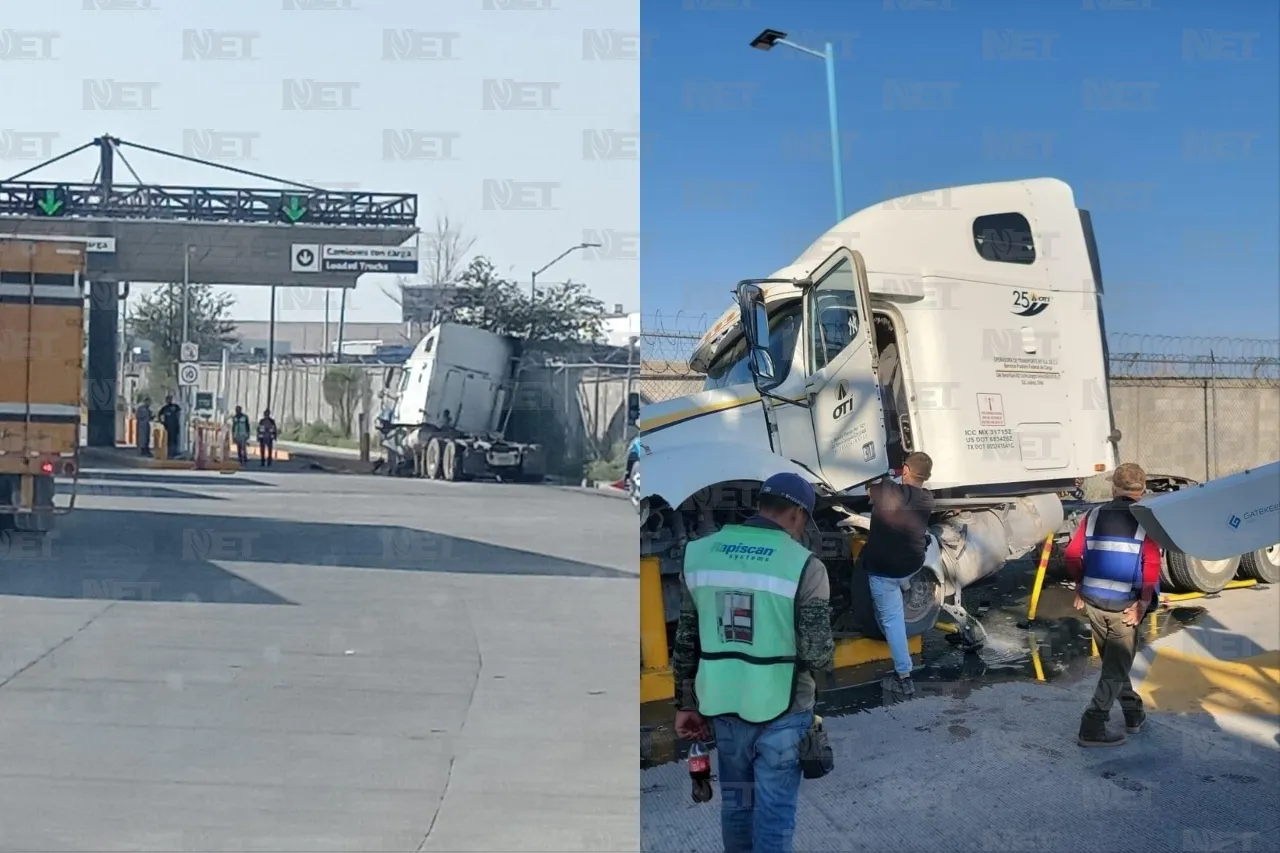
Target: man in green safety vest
755,624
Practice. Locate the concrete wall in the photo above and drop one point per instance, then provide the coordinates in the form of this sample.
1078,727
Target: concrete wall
1197,428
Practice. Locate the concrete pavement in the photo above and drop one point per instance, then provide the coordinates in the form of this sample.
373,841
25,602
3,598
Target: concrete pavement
972,768
274,661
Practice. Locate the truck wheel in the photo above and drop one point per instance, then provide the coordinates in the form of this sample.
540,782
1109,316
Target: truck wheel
922,604
433,459
1191,574
1262,565
451,462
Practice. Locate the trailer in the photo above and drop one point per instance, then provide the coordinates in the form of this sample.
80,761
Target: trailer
41,378
445,410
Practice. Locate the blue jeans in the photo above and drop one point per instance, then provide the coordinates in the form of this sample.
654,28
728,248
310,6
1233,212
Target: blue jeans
886,595
759,770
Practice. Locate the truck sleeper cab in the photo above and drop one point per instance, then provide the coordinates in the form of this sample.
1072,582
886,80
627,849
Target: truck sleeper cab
970,316
446,418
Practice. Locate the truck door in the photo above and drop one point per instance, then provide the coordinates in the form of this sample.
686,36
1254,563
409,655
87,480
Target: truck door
844,398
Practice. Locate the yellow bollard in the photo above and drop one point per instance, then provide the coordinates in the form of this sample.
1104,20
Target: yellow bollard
653,621
1045,553
1035,656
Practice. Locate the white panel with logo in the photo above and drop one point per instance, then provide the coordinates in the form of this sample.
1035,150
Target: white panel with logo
844,397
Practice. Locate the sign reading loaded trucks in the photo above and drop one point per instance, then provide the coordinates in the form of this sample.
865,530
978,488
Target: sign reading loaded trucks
314,258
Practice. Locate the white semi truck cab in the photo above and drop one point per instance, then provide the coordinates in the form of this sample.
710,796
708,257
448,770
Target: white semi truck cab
446,409
966,323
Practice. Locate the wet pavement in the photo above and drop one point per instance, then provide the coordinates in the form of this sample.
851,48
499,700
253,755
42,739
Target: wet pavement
269,661
986,759
1060,653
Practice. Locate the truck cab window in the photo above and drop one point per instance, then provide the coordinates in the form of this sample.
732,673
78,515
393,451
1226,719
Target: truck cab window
732,367
835,322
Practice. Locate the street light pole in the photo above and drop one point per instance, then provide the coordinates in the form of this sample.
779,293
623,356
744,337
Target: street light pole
765,41
533,277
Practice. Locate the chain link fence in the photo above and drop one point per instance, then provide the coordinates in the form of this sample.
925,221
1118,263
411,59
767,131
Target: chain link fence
1191,407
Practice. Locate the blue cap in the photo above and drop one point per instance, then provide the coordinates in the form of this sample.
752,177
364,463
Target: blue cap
792,488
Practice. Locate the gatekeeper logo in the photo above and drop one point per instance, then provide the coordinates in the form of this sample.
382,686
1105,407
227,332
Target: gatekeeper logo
1234,521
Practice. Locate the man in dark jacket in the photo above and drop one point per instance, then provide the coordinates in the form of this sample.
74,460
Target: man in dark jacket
894,552
266,439
170,415
1116,567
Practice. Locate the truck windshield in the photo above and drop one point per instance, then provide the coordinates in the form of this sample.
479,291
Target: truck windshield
732,368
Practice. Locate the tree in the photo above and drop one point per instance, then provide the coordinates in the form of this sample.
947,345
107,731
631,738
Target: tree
561,312
344,386
441,256
158,319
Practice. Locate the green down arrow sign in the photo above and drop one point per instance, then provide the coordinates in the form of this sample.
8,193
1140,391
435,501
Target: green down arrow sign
49,203
293,209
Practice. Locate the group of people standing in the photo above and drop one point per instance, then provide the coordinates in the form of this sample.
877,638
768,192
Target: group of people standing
755,630
170,417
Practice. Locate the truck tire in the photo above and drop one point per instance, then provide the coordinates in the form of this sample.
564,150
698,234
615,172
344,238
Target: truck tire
923,603
1262,565
451,465
433,459
1191,574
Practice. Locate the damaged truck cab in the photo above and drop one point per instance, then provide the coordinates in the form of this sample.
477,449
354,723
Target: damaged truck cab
966,323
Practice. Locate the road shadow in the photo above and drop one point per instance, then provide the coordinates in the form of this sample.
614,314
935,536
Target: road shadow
140,475
115,554
130,490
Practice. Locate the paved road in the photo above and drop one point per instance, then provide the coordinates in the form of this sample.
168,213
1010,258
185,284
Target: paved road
997,768
320,662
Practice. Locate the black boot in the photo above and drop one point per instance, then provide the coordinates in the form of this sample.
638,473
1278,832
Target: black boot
898,688
1133,721
1093,732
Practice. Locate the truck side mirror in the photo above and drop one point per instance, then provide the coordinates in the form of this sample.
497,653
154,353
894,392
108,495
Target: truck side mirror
755,329
633,408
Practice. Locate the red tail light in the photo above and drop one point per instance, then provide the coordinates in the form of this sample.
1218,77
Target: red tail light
47,467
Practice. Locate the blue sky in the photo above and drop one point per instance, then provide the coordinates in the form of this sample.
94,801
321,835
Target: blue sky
1181,176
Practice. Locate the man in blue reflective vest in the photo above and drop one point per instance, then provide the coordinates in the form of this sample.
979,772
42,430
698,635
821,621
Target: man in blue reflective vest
1116,567
755,624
